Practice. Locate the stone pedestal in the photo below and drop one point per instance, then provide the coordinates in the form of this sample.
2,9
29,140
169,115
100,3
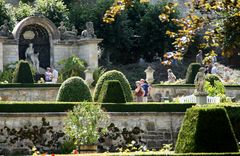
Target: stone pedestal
88,50
89,76
2,38
201,98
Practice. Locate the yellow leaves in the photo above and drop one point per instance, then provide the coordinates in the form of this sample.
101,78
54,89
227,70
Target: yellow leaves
164,17
117,7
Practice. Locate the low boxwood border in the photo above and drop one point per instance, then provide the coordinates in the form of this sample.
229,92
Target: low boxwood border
161,154
65,106
189,86
29,85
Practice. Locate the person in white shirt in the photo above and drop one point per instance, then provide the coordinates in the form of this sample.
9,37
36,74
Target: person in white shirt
214,69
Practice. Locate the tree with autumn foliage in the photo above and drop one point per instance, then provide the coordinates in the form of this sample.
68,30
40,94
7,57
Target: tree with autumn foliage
217,21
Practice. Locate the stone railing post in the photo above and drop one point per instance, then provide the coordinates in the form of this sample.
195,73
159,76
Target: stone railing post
2,39
89,76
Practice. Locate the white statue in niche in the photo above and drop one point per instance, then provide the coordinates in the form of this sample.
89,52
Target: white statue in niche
32,57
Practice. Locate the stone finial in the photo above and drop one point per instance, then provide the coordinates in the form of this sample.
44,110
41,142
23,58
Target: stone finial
4,30
149,74
89,76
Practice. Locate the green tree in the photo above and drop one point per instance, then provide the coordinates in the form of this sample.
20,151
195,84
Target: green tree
22,11
55,10
5,12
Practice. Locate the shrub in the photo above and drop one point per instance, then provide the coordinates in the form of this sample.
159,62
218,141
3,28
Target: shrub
214,90
192,72
74,89
114,75
112,92
72,66
206,130
7,73
211,78
23,73
82,123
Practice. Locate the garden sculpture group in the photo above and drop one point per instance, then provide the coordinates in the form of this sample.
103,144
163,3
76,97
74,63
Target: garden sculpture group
70,35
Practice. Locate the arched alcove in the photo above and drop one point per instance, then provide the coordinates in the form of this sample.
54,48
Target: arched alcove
39,31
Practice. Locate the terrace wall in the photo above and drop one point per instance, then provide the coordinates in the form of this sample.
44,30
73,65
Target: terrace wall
19,132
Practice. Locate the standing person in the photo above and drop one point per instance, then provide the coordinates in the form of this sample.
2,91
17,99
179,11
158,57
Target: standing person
146,89
199,57
48,75
214,69
139,92
54,75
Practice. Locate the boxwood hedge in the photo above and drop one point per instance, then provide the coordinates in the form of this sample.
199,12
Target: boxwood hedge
112,92
113,75
74,89
206,130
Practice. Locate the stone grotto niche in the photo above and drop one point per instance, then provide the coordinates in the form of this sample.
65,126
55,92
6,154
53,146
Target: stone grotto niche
39,37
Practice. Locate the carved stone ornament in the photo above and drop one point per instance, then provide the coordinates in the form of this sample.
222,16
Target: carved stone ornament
29,35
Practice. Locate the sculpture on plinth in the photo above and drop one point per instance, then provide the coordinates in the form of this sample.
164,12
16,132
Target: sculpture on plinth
201,95
4,30
171,76
89,31
200,79
32,57
62,29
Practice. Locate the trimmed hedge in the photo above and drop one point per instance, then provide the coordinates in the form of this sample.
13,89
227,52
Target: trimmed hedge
23,73
192,71
112,92
233,112
74,89
65,106
114,75
206,130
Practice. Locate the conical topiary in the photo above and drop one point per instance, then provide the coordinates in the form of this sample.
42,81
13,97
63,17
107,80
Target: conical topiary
114,75
23,73
192,71
206,130
74,89
112,92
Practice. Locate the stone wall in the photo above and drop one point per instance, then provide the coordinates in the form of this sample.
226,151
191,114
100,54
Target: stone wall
172,91
50,93
19,132
29,94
